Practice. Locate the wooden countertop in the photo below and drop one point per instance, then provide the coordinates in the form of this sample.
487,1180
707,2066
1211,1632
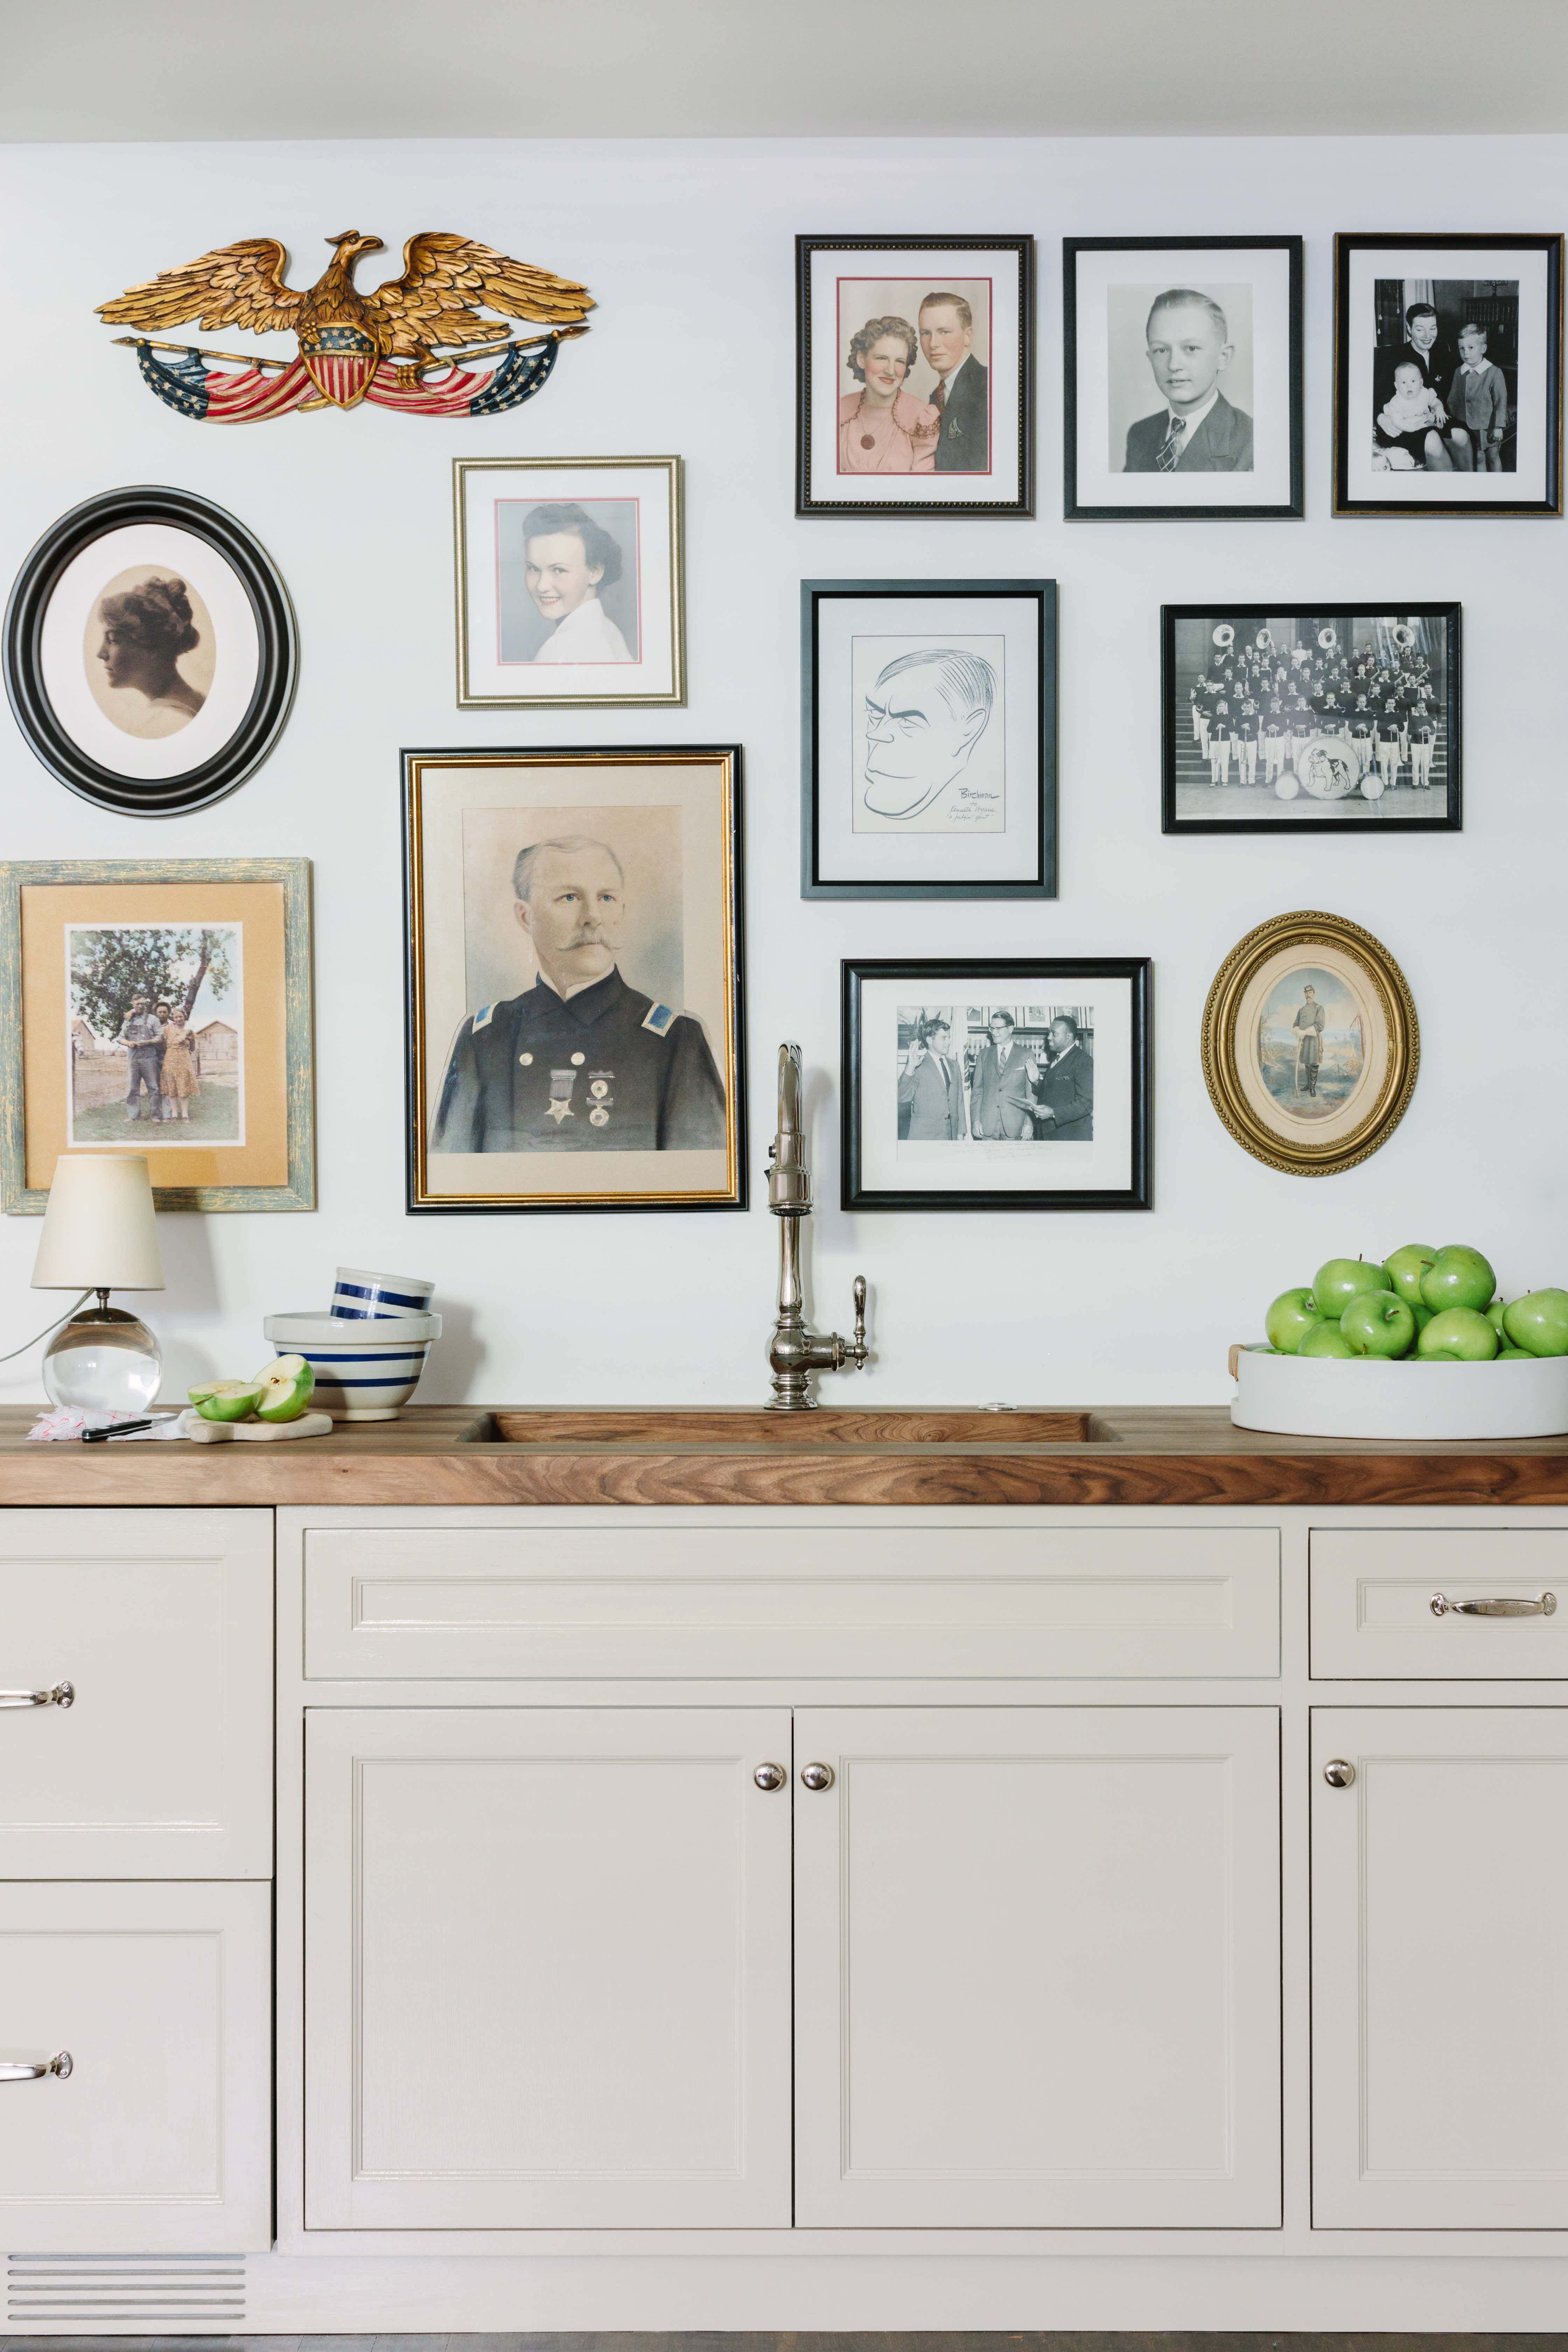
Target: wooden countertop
1158,1456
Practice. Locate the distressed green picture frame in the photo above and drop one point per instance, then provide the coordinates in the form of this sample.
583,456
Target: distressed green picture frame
293,877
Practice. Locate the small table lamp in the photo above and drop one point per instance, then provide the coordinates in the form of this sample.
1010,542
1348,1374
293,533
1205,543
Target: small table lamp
99,1233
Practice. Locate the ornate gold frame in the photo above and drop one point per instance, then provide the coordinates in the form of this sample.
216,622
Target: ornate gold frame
1396,1004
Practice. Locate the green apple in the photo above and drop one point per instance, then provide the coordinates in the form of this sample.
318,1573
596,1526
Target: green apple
286,1386
1378,1324
1406,1268
1458,1277
1539,1322
230,1401
1327,1340
203,1388
1342,1279
1293,1314
1457,1335
1423,1315
1495,1313
1519,1355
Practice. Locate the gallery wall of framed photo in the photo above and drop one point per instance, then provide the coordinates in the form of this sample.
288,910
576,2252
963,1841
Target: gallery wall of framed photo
862,589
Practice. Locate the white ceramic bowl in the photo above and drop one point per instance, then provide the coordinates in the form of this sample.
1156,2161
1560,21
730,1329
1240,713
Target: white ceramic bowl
363,1371
360,1296
1318,1397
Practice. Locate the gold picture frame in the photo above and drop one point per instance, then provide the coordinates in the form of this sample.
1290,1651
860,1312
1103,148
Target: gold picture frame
628,515
1311,1044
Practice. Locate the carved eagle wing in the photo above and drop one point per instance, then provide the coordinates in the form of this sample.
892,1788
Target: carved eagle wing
238,286
448,280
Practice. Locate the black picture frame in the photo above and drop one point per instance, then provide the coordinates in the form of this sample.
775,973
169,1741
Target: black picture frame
1367,823
980,974
1349,243
814,594
21,649
808,503
1076,510
727,760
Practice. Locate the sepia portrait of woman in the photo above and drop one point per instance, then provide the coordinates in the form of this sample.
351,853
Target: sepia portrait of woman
568,558
145,629
883,429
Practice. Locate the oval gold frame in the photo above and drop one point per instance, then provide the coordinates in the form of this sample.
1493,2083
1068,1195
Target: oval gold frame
1402,1039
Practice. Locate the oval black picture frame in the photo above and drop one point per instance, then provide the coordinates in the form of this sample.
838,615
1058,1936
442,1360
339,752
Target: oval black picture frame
265,714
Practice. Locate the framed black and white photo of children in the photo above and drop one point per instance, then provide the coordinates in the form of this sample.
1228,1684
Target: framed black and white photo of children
928,739
1182,394
914,365
998,1083
1337,718
1448,375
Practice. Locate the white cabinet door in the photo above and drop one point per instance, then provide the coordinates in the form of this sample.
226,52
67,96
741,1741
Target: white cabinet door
546,1968
1037,1968
1439,1960
160,2138
160,1622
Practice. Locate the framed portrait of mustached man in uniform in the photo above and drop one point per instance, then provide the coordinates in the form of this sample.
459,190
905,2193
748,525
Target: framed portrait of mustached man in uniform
574,979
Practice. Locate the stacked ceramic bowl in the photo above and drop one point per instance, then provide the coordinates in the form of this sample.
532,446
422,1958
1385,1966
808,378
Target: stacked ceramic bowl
368,1353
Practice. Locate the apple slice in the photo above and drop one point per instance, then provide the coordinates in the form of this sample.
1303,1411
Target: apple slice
286,1386
202,1391
230,1401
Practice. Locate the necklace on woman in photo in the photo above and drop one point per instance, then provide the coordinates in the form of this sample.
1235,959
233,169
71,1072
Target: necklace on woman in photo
869,440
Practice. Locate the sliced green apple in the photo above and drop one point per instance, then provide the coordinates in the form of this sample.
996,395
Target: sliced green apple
203,1389
230,1401
286,1385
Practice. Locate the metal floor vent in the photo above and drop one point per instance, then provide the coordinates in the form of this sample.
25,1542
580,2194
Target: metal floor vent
124,2295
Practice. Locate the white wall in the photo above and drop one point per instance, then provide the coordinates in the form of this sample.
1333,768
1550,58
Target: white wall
689,249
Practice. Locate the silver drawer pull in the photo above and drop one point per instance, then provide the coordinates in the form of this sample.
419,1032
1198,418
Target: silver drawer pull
14,2070
1442,1607
62,1695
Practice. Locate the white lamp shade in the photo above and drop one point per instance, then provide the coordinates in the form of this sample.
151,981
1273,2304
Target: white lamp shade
100,1231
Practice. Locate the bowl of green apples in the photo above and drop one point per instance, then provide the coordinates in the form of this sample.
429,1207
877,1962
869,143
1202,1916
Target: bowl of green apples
1419,1344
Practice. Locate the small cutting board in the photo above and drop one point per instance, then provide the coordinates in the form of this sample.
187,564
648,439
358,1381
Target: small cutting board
309,1424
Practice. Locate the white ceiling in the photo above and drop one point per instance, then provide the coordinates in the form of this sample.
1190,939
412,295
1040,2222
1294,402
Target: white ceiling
187,69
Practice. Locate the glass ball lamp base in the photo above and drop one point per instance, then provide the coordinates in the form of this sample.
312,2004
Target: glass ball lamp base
103,1361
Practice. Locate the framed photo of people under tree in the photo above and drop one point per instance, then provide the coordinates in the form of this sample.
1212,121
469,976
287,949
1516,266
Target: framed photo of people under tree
1336,719
1448,375
998,1083
915,361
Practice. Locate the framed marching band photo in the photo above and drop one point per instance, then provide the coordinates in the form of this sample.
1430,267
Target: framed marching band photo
998,1083
1334,718
915,364
1182,394
1448,375
928,739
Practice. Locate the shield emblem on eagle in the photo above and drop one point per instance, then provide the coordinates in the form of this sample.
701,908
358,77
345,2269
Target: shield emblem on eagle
341,362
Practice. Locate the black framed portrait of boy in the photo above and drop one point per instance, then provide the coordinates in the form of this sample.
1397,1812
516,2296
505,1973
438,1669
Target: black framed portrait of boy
1184,378
928,739
914,362
574,1028
1339,717
998,1083
1448,375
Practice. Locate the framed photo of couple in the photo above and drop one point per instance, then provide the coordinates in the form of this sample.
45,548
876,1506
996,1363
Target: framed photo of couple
1449,376
928,739
998,1083
914,373
1184,378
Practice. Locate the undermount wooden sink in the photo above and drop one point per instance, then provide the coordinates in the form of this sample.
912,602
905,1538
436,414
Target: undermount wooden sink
646,1426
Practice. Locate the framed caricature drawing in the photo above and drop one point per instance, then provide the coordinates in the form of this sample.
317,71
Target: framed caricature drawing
914,367
574,1033
928,739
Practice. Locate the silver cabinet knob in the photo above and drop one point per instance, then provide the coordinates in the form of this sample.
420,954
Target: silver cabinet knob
60,1695
23,2070
817,1776
770,1776
1338,1773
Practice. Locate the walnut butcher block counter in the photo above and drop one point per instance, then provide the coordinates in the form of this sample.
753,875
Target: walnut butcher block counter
1129,1456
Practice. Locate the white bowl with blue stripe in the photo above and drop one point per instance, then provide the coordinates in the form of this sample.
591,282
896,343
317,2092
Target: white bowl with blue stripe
360,1296
365,1371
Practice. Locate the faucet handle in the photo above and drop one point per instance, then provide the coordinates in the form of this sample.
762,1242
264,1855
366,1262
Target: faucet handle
857,1352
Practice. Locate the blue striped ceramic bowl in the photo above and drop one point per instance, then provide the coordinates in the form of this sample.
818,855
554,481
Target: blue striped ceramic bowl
360,1296
363,1371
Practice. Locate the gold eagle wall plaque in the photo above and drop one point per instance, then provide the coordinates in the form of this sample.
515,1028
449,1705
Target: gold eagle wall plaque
405,345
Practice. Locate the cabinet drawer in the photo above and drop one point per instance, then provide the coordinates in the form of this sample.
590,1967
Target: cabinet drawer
161,1623
1372,1595
160,2139
468,1602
